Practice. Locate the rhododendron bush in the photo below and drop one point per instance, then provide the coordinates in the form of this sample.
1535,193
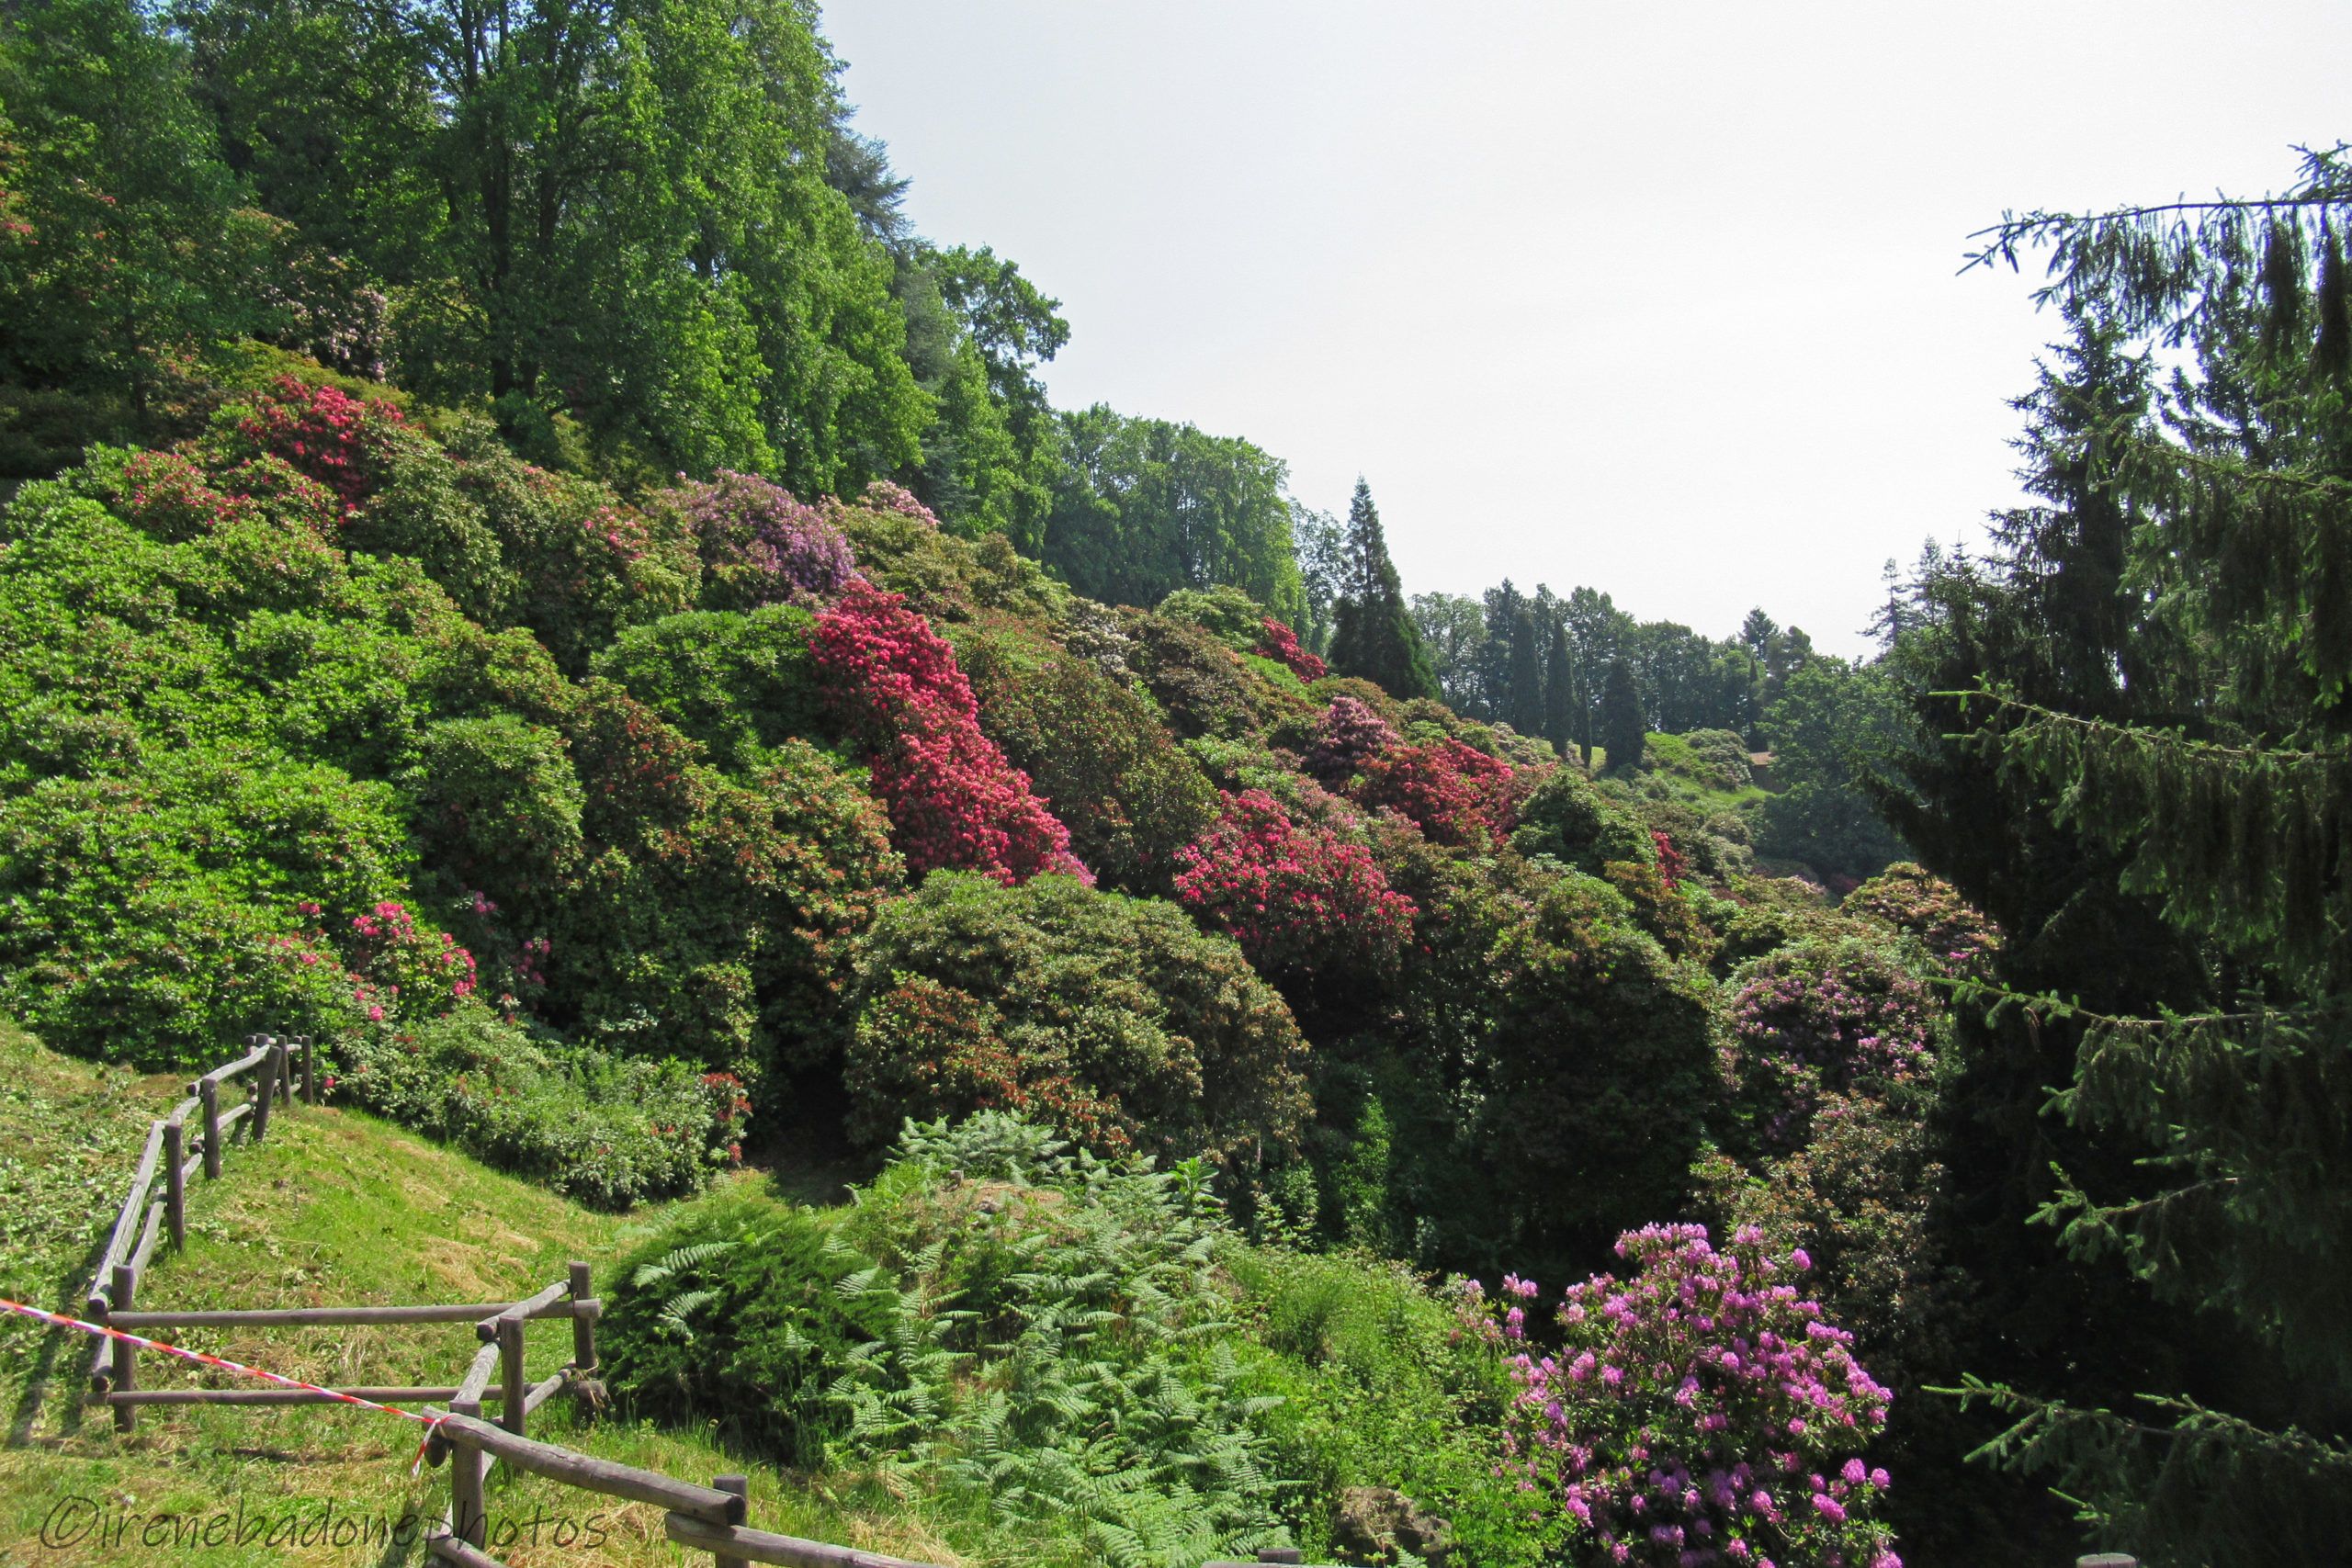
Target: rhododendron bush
952,798
1115,1019
1456,794
759,544
1821,1019
345,442
1301,900
1699,1411
1280,645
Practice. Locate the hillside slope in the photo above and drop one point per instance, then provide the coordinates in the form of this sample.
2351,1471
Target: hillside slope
336,1207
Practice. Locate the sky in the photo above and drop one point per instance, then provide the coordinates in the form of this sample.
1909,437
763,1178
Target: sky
1659,297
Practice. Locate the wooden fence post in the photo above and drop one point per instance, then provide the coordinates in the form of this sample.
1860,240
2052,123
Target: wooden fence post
469,1519
265,1090
583,1327
209,1093
310,1069
126,1371
281,1059
742,1487
175,1182
510,1374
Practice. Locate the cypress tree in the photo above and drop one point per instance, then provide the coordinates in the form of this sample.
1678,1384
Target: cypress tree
1562,692
1526,709
1374,636
1622,727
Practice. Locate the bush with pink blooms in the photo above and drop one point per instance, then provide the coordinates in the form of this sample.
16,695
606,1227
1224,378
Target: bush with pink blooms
1302,901
1823,1017
1699,1411
1280,645
1349,733
1953,937
1456,794
345,442
759,544
953,800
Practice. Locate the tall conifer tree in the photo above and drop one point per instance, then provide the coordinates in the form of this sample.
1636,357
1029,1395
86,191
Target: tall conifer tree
1622,727
2157,801
1376,637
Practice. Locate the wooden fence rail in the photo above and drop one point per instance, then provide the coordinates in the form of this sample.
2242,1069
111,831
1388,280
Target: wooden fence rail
496,1377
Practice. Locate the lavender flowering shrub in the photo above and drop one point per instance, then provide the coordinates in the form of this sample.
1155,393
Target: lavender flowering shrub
759,544
1699,1413
1822,1018
1349,733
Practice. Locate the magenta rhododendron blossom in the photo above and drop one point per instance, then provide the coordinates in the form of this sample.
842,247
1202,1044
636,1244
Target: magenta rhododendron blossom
1296,897
952,798
1699,1411
1280,644
1347,734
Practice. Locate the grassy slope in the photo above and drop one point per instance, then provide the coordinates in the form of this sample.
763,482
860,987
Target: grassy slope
337,1207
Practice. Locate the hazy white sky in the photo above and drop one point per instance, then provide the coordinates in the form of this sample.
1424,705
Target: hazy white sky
1655,296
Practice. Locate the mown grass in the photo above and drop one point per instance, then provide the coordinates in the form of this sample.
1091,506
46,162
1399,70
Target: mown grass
336,1207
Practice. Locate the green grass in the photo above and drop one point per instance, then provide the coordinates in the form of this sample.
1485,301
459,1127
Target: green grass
335,1208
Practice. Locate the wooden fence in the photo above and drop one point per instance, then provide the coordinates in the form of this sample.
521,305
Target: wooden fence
704,1519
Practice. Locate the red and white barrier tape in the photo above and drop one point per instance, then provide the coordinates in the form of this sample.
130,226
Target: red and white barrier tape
428,1419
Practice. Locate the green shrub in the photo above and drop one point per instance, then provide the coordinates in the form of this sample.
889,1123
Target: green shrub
1601,1077
1118,1011
1226,613
1198,681
741,683
606,1130
1568,819
1095,750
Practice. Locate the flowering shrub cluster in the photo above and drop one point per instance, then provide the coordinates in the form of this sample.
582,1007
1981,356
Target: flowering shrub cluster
1820,1019
1956,939
1698,1412
760,545
1671,865
1457,794
881,495
952,798
1347,736
1280,645
1296,898
345,442
395,956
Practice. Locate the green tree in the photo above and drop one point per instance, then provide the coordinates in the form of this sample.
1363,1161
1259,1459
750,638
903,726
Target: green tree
1622,726
129,254
1375,636
1143,507
2161,650
1563,686
1453,629
1834,732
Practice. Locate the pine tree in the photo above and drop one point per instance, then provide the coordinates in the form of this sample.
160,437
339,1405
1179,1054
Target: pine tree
1622,727
1375,637
2155,798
